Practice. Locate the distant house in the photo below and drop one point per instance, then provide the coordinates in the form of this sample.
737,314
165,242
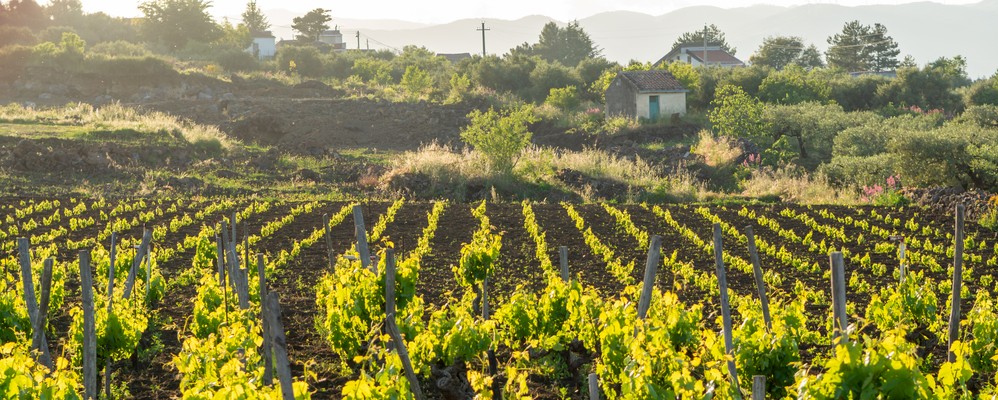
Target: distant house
697,55
455,58
645,94
263,45
333,38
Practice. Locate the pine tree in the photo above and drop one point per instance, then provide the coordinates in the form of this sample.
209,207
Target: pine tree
883,50
714,37
254,19
847,50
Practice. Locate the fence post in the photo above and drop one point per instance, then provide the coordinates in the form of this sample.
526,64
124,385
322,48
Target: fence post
841,321
330,254
722,284
268,359
24,250
89,334
563,258
38,339
279,345
902,254
759,282
110,308
137,262
362,251
954,315
651,269
758,387
393,329
593,386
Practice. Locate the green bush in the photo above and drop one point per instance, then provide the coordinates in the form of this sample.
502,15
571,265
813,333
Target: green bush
736,114
813,127
566,98
416,82
985,116
14,59
793,85
236,60
16,35
983,92
374,70
302,60
858,170
133,68
857,93
750,79
547,76
501,136
120,48
959,155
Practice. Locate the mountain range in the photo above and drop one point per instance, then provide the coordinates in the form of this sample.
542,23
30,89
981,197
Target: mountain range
923,30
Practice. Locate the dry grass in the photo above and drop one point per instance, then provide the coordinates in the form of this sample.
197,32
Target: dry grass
117,117
797,186
717,151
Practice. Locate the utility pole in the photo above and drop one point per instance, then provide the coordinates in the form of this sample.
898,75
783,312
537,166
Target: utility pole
358,40
368,43
705,46
483,29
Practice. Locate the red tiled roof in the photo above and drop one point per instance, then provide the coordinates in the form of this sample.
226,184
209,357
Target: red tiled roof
653,81
715,57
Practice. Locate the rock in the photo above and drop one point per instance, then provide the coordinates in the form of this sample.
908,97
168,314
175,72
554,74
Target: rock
28,104
205,96
228,96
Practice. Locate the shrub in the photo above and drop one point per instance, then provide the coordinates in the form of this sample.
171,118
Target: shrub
736,114
16,35
566,98
983,92
500,136
373,70
416,82
793,85
959,155
120,48
546,76
460,86
859,93
133,68
858,170
985,116
814,127
235,60
13,60
301,60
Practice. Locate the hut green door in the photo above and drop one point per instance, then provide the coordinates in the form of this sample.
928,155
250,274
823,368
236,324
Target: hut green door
653,109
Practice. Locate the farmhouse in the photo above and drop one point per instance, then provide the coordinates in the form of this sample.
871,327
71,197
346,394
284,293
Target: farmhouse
645,94
698,54
263,46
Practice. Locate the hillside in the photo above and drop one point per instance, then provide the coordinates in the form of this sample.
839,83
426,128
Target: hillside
924,30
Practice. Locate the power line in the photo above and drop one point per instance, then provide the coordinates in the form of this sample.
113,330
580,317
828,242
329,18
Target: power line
483,29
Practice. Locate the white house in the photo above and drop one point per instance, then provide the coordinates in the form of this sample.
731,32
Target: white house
264,45
333,38
698,54
645,94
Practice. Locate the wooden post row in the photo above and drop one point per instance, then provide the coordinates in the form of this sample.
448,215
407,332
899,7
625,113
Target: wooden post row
393,329
89,334
759,282
38,340
268,359
839,318
722,284
954,315
362,251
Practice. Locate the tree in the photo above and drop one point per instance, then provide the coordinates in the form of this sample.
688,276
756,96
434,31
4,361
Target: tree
568,46
714,37
501,136
883,50
416,82
779,51
254,19
736,114
847,50
23,13
176,22
312,24
64,12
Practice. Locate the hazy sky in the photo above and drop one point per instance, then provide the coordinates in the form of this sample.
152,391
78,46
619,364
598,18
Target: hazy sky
442,11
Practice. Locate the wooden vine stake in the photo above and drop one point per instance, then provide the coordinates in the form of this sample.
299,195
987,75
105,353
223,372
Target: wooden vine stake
393,329
38,340
330,254
35,315
954,315
722,284
360,230
593,386
279,345
268,359
89,336
651,269
839,318
760,284
758,387
137,262
110,308
902,254
563,259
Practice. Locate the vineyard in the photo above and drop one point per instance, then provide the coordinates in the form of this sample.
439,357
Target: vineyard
246,298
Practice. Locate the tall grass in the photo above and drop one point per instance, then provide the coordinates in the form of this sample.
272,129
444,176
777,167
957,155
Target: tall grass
117,117
795,185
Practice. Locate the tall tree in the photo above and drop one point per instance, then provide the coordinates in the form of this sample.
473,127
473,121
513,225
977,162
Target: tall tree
64,12
23,13
254,19
568,46
176,22
883,50
779,51
847,50
310,25
713,34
